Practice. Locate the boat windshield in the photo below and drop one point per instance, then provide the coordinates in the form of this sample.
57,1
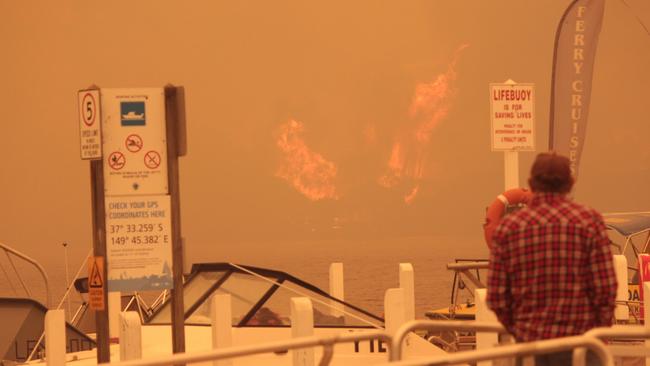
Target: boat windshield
260,297
628,223
629,232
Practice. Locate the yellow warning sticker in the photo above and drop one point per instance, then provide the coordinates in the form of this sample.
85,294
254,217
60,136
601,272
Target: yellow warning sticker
96,283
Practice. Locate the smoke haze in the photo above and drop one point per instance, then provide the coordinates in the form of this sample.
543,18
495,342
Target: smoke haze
340,80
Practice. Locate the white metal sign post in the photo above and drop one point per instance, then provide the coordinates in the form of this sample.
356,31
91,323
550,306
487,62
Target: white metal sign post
512,115
91,143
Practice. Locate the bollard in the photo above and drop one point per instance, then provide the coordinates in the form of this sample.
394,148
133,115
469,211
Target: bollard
407,283
114,309
620,266
395,315
55,337
221,316
484,314
302,325
336,289
130,336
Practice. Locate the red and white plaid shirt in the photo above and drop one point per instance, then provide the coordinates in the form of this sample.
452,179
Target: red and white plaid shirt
551,270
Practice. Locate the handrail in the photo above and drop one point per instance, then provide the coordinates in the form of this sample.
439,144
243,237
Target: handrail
239,351
619,331
20,278
18,254
468,265
623,332
436,325
530,348
589,340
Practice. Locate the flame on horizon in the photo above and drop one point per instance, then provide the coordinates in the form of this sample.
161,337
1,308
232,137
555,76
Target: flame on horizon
430,105
307,171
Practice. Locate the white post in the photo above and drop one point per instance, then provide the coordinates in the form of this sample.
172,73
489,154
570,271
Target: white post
511,161
130,336
484,314
55,337
621,312
511,169
114,309
221,316
646,314
336,288
407,283
302,325
395,314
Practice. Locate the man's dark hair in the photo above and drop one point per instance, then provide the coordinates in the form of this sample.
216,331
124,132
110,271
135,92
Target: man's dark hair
551,173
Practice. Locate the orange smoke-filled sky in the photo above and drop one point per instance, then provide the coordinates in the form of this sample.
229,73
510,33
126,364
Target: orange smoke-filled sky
361,79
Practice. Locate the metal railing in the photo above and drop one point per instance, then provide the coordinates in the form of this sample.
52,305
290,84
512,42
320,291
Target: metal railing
438,325
48,293
521,349
598,334
462,266
465,268
620,331
327,342
628,332
591,340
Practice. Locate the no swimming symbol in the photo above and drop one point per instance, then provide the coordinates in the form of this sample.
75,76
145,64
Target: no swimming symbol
133,143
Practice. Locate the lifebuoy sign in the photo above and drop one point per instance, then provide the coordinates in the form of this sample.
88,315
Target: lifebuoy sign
513,116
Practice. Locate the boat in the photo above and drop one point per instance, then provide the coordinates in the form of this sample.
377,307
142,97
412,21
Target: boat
627,229
22,326
261,312
133,116
23,317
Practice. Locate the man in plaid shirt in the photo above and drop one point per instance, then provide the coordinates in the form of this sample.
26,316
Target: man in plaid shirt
551,269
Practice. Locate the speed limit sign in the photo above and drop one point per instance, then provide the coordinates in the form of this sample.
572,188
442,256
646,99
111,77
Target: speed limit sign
89,124
89,108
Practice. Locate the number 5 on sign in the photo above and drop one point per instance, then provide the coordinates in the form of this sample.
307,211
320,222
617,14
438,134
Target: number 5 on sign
90,132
